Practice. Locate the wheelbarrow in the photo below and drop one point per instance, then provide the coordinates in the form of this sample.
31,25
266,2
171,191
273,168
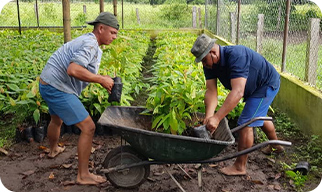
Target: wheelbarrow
128,166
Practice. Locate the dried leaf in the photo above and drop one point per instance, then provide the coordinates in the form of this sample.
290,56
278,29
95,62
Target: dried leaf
213,165
258,182
278,175
4,151
93,150
151,179
42,155
61,144
65,183
271,160
67,166
158,174
277,187
27,173
44,149
98,147
51,176
271,187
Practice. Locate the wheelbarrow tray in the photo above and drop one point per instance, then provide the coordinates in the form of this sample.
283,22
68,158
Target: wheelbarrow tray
136,129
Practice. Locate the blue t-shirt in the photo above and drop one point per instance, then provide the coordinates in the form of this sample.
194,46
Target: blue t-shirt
240,61
84,51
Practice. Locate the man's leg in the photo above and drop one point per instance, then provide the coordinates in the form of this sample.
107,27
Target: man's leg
269,129
53,133
245,141
87,127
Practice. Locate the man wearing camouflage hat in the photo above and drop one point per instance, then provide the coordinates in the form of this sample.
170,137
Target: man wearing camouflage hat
67,72
248,75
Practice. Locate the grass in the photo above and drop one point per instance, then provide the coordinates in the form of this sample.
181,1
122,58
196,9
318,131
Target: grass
295,56
151,17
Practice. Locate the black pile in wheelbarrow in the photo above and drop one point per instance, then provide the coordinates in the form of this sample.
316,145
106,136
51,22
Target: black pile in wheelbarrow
128,166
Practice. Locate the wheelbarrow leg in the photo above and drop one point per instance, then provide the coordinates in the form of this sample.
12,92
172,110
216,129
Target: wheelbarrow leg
200,176
174,179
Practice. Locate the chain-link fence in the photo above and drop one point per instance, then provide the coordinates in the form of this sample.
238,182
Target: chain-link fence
262,28
258,24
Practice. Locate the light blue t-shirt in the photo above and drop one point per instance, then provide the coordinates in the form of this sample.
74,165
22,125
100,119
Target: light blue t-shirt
83,50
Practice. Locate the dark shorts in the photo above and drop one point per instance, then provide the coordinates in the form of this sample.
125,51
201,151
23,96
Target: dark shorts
257,107
67,106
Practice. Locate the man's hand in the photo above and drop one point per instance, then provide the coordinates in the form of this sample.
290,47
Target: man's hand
107,83
212,123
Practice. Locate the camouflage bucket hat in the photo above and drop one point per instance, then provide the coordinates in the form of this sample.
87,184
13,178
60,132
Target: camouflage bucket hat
202,46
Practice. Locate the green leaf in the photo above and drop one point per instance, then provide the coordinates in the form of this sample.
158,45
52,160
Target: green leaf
36,115
156,120
173,121
13,87
12,101
98,107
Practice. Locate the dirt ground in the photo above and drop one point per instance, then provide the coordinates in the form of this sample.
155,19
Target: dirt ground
26,167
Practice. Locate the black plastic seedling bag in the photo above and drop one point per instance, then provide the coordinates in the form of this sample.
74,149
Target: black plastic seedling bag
116,90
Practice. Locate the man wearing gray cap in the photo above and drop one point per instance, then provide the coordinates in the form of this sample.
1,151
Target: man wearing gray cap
248,75
67,72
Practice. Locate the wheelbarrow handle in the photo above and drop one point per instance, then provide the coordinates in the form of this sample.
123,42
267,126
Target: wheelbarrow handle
246,151
249,122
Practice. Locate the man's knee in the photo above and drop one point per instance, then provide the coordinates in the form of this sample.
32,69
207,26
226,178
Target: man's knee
87,125
55,120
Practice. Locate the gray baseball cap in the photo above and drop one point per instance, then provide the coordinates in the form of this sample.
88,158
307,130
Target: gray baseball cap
106,18
202,47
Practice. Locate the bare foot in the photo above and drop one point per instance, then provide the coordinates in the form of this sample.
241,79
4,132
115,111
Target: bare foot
232,171
92,179
59,150
98,178
86,181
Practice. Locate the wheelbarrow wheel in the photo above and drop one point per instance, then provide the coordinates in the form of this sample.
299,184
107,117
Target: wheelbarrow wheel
130,177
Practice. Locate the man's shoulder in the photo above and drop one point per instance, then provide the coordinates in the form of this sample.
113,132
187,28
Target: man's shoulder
85,40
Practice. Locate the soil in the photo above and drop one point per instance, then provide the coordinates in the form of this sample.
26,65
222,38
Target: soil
27,168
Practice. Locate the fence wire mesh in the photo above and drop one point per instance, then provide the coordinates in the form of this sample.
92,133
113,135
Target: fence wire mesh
270,41
261,24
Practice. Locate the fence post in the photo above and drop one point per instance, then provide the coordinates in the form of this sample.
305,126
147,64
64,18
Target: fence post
66,21
115,7
287,18
233,27
260,29
19,22
101,6
206,14
122,15
218,17
312,51
36,12
200,24
84,9
238,22
137,15
194,17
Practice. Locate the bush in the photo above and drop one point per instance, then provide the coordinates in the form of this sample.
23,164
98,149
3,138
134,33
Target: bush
176,15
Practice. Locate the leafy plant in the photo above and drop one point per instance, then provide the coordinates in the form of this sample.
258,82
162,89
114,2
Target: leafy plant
178,84
298,178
